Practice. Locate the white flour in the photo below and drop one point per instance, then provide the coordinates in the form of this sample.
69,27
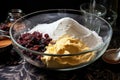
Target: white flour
71,27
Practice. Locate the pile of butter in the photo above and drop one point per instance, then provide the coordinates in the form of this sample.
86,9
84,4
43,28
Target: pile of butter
70,37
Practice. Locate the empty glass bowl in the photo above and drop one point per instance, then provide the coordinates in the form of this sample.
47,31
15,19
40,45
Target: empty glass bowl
29,21
97,9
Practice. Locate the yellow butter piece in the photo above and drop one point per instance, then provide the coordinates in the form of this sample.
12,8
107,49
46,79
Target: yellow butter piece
66,45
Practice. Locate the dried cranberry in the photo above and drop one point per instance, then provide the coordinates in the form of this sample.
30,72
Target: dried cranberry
46,36
35,41
35,47
37,35
4,27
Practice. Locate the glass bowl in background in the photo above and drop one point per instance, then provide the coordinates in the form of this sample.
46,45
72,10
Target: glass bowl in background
97,9
29,21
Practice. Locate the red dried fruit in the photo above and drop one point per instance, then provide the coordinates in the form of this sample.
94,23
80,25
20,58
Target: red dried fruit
46,36
35,41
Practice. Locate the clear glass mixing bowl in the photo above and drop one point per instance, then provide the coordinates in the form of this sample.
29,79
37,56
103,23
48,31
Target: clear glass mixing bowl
27,22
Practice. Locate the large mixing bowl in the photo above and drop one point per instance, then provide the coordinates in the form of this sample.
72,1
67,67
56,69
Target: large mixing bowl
29,21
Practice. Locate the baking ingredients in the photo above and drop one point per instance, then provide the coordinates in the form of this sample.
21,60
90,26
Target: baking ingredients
66,45
70,37
71,27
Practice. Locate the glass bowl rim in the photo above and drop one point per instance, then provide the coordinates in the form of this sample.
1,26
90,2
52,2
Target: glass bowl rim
50,54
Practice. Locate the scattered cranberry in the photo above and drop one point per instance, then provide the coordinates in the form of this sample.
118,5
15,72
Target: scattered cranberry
46,36
5,28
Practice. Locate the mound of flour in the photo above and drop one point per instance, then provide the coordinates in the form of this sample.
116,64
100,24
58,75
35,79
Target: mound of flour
70,27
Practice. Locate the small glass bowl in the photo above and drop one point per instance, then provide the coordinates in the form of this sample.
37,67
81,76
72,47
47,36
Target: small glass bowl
27,22
98,10
5,44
